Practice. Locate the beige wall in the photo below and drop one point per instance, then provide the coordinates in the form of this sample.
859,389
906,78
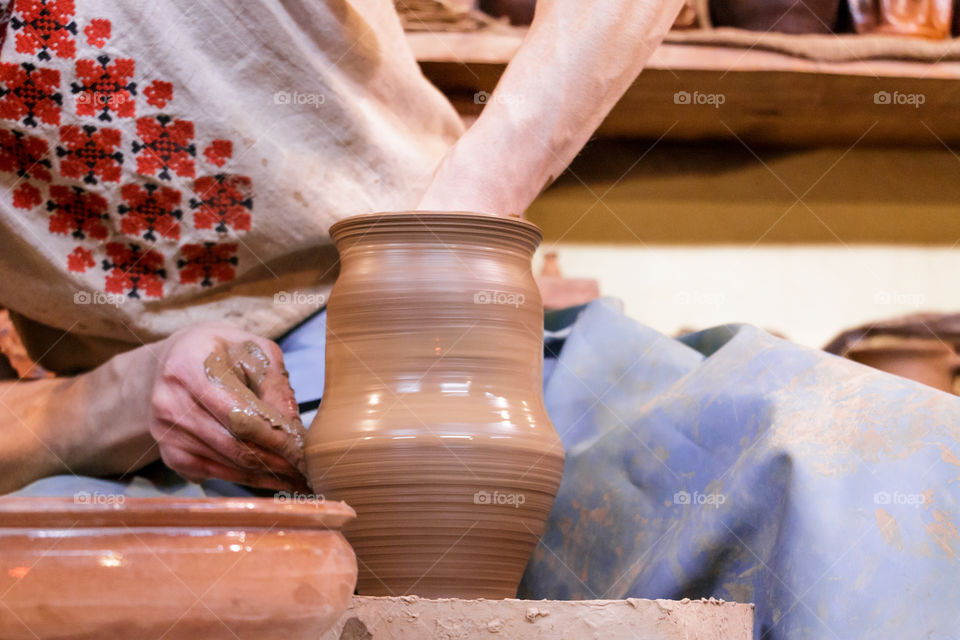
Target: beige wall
809,293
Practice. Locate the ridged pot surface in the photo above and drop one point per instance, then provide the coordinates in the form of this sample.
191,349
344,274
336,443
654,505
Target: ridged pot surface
432,424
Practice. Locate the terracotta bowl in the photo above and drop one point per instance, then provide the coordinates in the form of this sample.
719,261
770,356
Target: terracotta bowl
116,567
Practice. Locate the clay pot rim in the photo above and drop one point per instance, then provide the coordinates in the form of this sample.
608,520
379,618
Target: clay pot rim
484,225
268,513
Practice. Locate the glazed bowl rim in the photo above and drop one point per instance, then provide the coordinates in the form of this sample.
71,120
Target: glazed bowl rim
462,220
41,512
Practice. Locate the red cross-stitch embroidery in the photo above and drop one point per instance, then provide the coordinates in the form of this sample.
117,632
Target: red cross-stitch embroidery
222,200
165,144
148,209
28,92
26,196
44,26
129,268
78,212
207,262
218,152
88,153
105,86
80,260
97,32
24,155
159,93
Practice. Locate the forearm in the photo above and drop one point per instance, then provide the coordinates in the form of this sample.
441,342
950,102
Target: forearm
575,63
79,425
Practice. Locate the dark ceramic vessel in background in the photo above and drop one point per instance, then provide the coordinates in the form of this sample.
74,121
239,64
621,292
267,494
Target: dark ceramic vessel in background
784,16
519,12
926,360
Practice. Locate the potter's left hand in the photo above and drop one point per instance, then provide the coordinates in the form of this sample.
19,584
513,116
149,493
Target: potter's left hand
211,400
222,407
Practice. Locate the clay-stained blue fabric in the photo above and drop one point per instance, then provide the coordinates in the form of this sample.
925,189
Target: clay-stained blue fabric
737,465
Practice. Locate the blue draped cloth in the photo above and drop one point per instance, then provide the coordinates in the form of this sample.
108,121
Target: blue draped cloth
737,465
729,464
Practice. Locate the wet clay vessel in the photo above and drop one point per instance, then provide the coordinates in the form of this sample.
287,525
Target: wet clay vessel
132,568
432,424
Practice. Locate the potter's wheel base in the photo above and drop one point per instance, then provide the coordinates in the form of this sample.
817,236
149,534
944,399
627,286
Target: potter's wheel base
412,618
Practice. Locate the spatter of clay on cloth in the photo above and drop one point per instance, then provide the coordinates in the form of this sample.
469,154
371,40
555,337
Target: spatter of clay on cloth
413,618
852,434
241,370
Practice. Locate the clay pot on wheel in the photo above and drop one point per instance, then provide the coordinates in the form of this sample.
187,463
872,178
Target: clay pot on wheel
432,424
920,18
784,16
103,566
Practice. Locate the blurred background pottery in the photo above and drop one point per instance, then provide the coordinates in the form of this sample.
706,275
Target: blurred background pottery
922,347
519,12
917,18
930,361
98,566
784,16
559,292
432,424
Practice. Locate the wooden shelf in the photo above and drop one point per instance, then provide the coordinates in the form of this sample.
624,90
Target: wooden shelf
770,98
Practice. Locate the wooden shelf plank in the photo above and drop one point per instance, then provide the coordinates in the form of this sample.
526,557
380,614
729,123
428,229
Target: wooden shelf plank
768,97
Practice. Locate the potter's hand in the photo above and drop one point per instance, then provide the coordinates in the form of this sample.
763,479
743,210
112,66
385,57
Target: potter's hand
212,401
222,407
576,61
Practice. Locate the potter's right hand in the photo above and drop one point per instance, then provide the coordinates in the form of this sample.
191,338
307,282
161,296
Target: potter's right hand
222,407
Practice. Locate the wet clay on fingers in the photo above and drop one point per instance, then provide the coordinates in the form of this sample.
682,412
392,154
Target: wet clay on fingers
241,369
432,424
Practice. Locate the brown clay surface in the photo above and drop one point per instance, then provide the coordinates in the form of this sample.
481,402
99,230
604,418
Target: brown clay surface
633,619
131,568
432,424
